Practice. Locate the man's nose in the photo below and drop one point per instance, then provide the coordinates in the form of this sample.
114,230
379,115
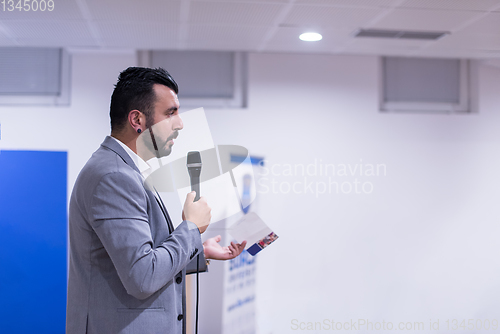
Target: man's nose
177,124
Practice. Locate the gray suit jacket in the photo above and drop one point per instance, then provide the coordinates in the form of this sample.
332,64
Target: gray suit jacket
126,270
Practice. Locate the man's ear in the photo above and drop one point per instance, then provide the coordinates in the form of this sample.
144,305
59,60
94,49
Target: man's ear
137,120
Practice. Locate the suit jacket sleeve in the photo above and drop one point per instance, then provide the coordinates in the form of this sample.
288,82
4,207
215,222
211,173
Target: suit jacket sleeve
120,219
202,267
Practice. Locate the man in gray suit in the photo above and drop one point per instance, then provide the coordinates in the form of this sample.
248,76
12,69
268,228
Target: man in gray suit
127,263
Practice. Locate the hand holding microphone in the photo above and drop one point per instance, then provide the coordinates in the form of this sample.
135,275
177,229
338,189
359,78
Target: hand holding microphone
197,212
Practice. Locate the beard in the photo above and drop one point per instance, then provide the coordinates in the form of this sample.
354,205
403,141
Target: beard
160,147
165,150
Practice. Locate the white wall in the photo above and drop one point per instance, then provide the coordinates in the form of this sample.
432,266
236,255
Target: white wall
422,245
79,128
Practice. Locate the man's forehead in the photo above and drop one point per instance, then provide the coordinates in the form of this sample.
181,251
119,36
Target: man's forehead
162,89
165,94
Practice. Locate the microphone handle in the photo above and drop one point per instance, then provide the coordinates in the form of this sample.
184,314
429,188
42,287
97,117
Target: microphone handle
195,186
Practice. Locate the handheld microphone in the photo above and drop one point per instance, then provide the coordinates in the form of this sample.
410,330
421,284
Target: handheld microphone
194,170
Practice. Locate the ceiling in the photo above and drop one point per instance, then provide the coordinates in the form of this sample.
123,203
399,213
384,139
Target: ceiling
260,26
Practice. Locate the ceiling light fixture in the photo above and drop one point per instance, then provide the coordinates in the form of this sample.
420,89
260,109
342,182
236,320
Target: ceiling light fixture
400,34
310,37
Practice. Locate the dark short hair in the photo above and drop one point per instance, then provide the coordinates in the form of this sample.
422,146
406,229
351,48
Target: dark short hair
134,91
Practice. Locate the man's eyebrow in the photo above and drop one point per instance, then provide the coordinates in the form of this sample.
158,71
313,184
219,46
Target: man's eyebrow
172,109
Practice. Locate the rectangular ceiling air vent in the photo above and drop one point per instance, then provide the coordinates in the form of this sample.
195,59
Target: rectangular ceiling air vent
397,34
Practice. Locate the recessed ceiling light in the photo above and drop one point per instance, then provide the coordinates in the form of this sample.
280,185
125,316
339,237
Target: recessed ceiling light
310,36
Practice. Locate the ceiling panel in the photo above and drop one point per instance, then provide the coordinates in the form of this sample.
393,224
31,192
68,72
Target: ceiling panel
142,35
160,11
471,41
384,46
235,34
423,19
236,13
63,10
310,48
220,46
251,1
4,40
51,30
387,42
489,24
58,42
330,17
350,3
478,5
383,51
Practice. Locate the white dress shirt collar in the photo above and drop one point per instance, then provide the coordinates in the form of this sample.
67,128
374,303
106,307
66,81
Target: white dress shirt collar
143,166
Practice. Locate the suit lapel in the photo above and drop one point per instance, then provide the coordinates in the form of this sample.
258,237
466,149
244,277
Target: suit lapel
165,212
112,145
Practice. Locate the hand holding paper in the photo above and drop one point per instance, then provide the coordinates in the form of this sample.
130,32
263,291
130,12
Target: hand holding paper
251,228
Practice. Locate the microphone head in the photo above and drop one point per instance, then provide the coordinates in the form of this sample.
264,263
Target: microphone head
193,159
194,164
